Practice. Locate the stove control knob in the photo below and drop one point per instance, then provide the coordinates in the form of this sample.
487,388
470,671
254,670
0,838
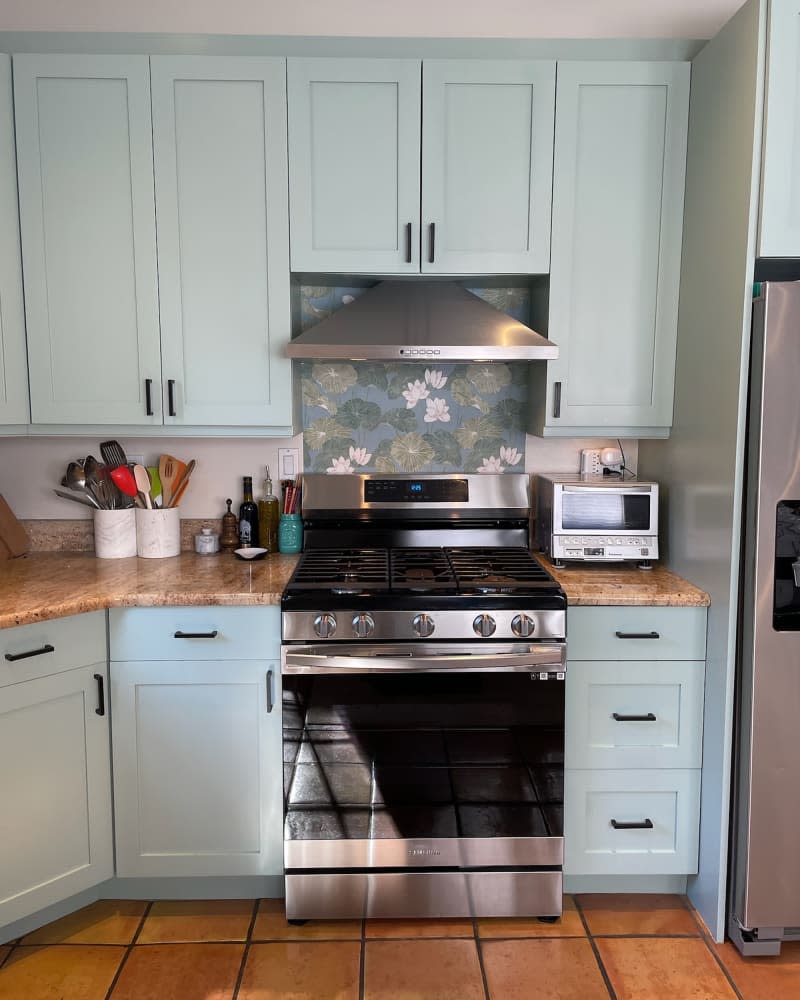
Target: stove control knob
423,626
484,626
522,626
324,626
363,626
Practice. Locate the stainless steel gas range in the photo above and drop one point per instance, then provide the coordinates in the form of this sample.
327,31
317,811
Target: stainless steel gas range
423,660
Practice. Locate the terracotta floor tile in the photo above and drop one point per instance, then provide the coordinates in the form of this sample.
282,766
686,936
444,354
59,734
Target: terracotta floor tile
109,921
180,972
271,925
84,972
302,970
543,970
419,928
197,920
568,925
663,969
764,978
656,913
413,970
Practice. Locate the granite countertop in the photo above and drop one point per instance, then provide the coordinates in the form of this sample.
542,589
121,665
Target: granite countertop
46,585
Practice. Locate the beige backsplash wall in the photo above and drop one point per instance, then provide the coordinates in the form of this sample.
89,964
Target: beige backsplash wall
30,467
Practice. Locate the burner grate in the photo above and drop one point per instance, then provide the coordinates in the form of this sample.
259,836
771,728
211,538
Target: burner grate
420,570
342,570
497,570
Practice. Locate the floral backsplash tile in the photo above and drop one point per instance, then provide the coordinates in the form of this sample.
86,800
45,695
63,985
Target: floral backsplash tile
389,418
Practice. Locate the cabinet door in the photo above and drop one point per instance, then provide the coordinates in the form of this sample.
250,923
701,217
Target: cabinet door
13,363
354,149
55,820
197,768
487,166
84,154
620,158
219,144
779,224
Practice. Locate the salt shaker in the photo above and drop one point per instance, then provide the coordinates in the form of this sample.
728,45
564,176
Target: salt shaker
206,543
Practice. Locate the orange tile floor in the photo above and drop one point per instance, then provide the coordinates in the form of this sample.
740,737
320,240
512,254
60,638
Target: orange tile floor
624,947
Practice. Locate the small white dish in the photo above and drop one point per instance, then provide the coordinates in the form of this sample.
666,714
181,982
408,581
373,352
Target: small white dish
250,553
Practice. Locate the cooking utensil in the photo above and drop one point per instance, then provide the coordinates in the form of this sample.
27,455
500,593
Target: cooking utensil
81,498
76,481
183,482
98,483
170,469
123,479
113,453
142,479
155,482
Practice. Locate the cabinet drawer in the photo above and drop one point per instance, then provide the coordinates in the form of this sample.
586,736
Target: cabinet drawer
668,801
638,633
195,633
634,714
52,646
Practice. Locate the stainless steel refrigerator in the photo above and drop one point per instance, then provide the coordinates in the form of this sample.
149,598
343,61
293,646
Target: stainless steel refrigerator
764,894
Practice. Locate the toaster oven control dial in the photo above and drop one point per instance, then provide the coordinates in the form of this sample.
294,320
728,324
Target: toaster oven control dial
484,626
522,626
324,626
363,626
423,626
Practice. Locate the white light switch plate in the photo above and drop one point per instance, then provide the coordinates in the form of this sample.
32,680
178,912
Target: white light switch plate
288,463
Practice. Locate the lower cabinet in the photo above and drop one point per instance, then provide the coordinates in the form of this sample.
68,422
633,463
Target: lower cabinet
55,785
196,744
633,740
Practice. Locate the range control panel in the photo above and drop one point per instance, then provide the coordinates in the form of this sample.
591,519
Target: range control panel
416,490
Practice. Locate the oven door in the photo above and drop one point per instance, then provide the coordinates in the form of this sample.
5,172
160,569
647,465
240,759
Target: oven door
423,756
606,510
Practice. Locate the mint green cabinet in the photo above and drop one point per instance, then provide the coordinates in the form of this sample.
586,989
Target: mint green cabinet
619,168
219,149
85,165
13,368
465,189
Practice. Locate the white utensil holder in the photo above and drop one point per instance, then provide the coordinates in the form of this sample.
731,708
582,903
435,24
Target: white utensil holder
158,533
114,534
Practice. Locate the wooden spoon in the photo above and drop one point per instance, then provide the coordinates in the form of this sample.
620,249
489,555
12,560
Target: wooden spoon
183,482
170,470
143,484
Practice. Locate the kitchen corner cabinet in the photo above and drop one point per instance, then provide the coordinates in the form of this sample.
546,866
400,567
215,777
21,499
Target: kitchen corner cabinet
13,361
634,716
102,348
619,168
484,143
55,787
197,741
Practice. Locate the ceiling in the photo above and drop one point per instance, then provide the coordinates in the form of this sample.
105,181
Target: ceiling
658,19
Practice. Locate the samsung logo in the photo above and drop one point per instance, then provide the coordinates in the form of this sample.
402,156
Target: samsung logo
424,852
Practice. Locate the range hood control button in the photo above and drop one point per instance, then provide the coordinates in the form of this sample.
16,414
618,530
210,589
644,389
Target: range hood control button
484,626
324,626
363,626
423,626
522,626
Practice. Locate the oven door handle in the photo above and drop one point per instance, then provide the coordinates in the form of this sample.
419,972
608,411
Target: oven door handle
549,657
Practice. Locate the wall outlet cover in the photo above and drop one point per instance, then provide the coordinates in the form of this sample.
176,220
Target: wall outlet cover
590,462
288,463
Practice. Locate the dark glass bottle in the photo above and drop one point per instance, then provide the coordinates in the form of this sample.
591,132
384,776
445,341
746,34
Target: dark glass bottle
248,516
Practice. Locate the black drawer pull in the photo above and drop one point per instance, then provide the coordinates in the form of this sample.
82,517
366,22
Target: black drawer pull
47,648
633,718
101,697
646,824
637,635
270,699
432,254
196,635
148,390
556,399
171,397
408,243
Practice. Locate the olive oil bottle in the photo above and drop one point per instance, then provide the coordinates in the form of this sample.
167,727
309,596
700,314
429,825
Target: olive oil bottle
268,517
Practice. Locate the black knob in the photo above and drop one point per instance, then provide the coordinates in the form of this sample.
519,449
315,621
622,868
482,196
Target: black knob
523,626
324,626
423,626
484,626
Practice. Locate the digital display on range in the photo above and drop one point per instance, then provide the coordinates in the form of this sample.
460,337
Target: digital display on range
416,490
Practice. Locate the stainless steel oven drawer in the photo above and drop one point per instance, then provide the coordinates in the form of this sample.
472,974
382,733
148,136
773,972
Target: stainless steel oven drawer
321,896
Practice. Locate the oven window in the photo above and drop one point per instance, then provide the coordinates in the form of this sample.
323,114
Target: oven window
597,510
437,755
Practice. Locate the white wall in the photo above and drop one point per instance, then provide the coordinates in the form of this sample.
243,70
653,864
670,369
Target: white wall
380,18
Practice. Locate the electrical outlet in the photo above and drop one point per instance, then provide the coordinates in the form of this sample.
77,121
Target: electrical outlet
590,462
288,463
135,459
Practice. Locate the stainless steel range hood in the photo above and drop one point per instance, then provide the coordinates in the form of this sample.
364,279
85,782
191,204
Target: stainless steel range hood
420,320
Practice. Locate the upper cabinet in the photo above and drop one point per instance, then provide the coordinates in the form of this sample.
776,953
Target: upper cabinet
619,168
464,190
103,349
779,227
13,366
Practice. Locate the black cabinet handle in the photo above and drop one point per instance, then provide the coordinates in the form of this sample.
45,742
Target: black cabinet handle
556,399
270,700
645,824
408,243
196,635
47,648
633,718
432,249
148,400
637,635
101,696
171,397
